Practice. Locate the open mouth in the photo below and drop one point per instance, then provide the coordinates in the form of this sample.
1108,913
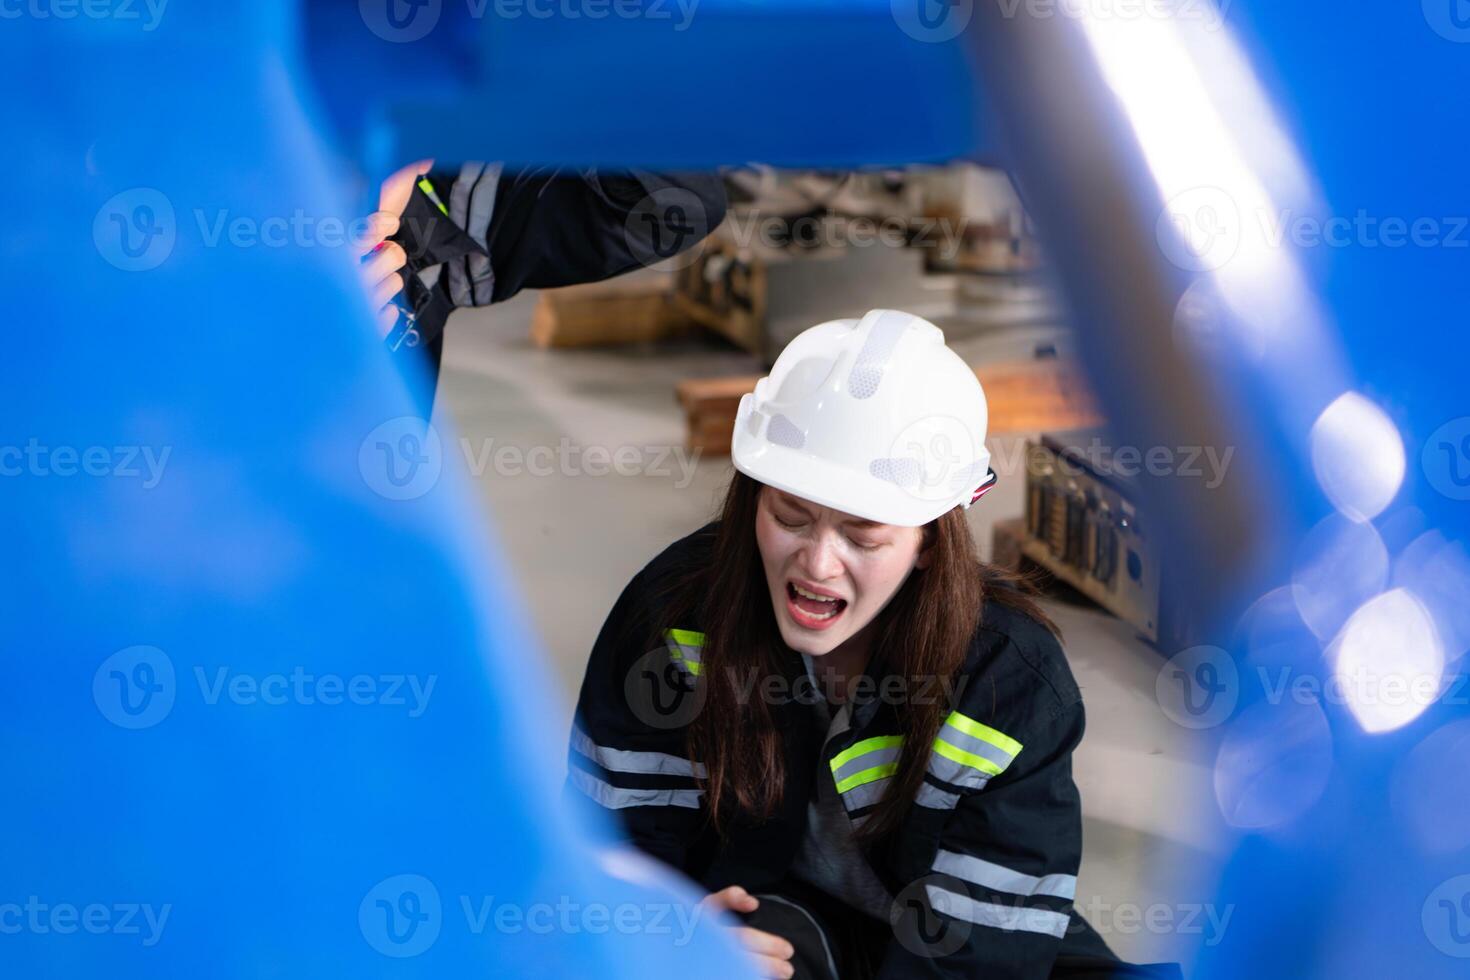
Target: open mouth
813,610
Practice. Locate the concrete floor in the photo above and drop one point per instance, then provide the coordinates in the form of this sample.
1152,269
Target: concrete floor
1153,832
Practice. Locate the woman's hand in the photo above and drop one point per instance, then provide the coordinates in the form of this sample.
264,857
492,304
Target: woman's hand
382,260
772,953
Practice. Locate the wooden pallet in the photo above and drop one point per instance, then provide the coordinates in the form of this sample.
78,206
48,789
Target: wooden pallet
1023,396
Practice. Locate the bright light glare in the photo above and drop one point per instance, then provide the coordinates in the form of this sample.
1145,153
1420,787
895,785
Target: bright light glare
1358,456
1217,154
1388,662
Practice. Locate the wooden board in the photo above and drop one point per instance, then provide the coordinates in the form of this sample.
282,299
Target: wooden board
1023,396
626,310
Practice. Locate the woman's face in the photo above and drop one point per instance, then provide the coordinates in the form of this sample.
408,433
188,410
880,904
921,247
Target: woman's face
829,573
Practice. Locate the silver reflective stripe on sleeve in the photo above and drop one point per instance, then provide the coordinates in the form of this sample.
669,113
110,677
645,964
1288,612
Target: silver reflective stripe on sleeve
935,798
865,795
975,746
1017,919
617,798
866,761
625,760
459,210
1003,879
482,210
957,773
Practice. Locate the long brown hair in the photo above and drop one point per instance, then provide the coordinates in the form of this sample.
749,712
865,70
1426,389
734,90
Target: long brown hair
922,635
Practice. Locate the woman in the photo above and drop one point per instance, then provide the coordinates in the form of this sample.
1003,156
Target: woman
826,710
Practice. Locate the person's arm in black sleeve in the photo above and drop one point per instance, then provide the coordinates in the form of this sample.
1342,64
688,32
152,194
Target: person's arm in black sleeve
997,901
557,229
626,756
480,235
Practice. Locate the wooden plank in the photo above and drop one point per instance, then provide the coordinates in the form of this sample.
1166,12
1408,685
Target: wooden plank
626,310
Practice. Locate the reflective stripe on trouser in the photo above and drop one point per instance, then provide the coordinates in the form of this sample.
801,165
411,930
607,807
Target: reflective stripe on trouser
685,648
1007,917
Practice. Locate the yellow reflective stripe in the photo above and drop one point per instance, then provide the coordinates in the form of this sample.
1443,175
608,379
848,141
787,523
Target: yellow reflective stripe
692,666
867,776
863,747
676,640
984,733
966,758
428,189
687,637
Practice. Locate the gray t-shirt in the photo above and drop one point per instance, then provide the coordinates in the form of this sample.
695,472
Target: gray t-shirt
829,858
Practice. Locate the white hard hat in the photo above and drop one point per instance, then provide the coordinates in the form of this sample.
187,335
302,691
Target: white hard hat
874,417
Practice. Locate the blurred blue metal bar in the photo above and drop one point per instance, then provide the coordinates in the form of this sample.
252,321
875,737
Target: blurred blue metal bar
1229,205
